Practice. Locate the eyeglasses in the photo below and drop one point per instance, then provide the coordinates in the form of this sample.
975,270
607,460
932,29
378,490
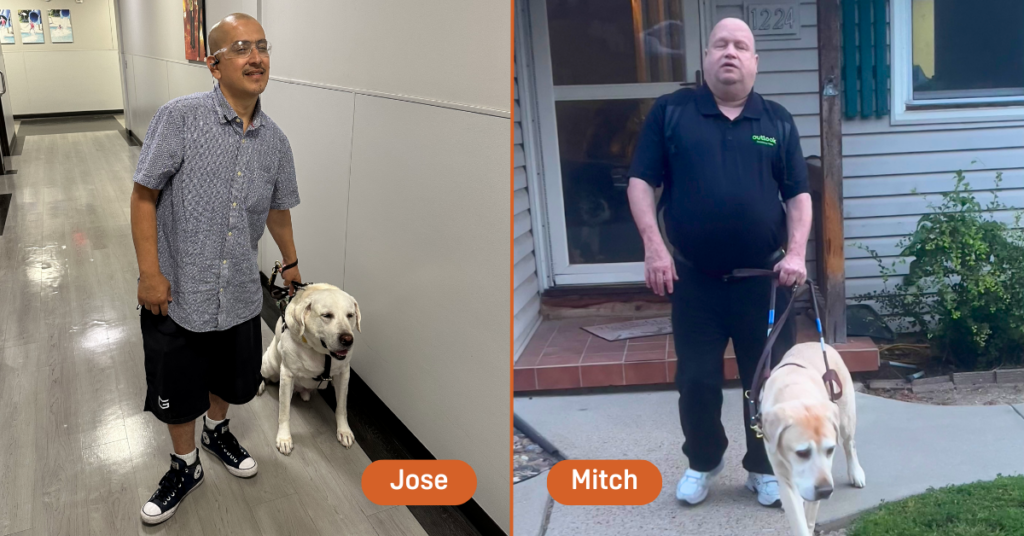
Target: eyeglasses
242,49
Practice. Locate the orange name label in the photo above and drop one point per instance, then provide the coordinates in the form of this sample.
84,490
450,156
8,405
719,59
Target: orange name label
419,482
604,482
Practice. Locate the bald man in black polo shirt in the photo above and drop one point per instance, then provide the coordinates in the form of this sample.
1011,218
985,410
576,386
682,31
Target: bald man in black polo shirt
735,196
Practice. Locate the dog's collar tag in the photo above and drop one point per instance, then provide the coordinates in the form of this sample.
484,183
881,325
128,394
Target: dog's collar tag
304,340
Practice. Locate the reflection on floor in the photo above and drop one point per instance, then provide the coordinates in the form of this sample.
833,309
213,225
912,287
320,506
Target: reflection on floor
77,454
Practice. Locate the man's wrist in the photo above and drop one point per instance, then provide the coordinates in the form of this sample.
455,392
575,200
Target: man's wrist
149,271
653,240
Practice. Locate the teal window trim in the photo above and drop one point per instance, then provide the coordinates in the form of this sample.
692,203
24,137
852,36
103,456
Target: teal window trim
881,60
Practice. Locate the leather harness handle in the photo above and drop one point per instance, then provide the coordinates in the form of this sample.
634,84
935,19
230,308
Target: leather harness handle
833,384
831,379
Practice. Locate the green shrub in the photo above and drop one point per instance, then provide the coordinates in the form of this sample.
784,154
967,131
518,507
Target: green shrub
965,285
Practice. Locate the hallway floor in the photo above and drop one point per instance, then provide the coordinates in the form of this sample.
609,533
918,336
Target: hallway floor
78,456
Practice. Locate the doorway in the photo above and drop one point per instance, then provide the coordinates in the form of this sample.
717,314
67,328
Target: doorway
601,64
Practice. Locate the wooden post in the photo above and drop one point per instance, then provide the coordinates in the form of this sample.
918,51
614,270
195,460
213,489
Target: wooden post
832,238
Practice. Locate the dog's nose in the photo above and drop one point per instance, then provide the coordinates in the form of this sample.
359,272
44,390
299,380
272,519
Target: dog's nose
822,492
346,339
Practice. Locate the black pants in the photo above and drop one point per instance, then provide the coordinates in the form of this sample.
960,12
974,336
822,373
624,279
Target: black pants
706,313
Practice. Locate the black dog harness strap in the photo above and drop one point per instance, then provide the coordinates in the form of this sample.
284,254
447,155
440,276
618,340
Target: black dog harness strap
325,376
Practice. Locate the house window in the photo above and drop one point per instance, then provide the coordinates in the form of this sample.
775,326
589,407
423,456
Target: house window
957,61
968,49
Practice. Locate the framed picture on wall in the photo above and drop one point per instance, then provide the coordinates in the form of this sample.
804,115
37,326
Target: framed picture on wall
6,27
194,16
60,26
31,26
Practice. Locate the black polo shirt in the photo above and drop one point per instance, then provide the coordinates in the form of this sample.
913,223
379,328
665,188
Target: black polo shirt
722,178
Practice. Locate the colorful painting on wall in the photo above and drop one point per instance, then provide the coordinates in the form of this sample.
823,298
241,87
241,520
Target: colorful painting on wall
60,26
31,26
6,27
194,15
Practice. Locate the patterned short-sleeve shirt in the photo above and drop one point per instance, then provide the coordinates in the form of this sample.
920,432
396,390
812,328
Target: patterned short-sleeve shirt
217,186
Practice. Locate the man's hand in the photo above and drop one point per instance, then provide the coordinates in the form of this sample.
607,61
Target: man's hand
792,270
659,269
290,276
155,293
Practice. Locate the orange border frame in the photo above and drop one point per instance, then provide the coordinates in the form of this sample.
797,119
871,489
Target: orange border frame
511,253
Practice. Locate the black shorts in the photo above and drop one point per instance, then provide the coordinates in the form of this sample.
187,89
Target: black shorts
183,367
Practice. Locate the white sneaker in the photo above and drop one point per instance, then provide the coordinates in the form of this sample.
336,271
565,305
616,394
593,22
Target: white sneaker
766,487
693,487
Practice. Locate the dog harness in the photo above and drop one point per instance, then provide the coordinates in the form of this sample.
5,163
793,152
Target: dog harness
753,396
281,296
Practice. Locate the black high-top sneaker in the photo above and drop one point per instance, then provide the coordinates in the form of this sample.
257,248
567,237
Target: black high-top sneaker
176,484
222,443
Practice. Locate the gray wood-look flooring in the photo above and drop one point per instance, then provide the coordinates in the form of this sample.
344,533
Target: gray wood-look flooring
78,456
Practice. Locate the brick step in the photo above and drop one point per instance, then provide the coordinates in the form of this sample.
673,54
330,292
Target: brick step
564,363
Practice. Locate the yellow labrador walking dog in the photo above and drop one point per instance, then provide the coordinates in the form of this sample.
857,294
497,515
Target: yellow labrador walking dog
802,427
801,411
312,345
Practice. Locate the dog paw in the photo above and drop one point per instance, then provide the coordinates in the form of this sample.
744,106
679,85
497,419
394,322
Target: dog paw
857,477
346,438
304,395
263,387
284,444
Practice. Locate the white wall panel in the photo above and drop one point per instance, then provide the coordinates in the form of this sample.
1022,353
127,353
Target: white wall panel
447,50
17,81
321,140
429,196
67,77
67,81
151,91
153,29
185,79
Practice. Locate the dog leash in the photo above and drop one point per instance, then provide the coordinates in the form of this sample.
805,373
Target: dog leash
831,379
280,294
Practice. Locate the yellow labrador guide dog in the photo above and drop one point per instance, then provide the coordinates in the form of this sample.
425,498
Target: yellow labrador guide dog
803,415
802,429
312,345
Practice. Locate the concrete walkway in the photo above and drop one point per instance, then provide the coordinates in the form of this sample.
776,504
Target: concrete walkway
904,449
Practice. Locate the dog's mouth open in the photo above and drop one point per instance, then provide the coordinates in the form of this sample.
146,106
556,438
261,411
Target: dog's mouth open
340,355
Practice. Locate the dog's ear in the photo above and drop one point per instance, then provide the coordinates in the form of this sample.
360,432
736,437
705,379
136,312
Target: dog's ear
298,311
359,317
773,424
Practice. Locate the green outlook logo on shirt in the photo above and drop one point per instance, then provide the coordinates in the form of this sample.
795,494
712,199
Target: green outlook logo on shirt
763,140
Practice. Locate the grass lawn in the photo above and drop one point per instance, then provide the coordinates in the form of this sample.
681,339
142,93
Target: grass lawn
981,509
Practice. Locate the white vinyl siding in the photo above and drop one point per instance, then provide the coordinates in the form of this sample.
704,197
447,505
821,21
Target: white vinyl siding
884,165
526,296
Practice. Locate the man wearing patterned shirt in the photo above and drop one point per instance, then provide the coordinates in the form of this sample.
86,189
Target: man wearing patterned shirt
214,170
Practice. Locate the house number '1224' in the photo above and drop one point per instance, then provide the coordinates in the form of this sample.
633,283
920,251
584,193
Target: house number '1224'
773,19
